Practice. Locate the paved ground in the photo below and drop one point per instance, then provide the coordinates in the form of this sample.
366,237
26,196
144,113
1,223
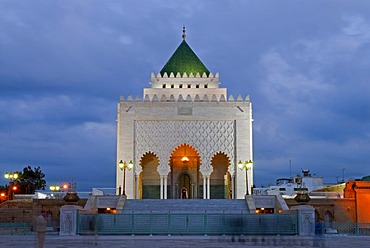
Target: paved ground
54,241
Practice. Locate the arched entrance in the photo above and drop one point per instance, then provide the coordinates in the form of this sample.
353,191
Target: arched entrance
149,179
185,186
184,163
220,177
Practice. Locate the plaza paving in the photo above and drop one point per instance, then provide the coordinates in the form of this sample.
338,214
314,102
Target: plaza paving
55,241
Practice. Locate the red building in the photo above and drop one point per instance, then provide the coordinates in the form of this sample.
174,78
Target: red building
359,190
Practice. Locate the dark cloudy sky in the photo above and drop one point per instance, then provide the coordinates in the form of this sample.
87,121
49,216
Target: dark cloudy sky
64,64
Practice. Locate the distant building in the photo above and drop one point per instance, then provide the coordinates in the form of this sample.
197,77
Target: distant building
359,192
185,133
290,186
339,205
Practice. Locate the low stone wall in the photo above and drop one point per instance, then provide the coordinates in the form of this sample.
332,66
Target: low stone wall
25,211
340,209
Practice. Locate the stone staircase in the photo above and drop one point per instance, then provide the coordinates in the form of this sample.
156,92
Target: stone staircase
190,206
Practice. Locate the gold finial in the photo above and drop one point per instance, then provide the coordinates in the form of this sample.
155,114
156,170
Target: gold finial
183,33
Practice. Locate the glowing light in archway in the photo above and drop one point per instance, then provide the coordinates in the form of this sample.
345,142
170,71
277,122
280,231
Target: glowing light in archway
185,159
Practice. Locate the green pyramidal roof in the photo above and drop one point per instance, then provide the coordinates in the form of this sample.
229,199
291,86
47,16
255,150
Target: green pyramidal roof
184,60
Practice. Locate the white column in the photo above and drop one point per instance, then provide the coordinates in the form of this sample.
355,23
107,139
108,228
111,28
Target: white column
208,188
137,187
204,188
161,189
232,186
165,187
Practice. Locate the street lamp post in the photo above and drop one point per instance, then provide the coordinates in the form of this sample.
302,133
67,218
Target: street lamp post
123,165
11,177
247,165
55,188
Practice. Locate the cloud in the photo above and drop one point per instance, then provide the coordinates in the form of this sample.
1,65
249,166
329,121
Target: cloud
61,134
286,82
125,40
311,113
357,26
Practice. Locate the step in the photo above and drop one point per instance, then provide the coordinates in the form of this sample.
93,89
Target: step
185,206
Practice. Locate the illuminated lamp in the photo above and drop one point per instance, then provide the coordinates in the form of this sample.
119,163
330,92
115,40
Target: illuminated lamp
185,159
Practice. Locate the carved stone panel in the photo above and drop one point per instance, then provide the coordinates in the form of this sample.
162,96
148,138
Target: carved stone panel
207,137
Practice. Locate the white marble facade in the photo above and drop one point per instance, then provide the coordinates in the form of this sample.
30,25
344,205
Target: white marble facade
203,118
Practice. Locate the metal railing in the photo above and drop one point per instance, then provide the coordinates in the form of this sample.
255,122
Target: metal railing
15,228
348,228
187,224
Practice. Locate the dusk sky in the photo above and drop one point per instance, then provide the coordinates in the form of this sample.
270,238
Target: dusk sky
64,64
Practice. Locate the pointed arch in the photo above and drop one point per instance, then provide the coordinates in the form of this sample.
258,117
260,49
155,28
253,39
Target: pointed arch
181,168
223,153
148,153
221,187
185,179
177,148
149,178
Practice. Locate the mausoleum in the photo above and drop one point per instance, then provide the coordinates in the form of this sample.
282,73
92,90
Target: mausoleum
185,137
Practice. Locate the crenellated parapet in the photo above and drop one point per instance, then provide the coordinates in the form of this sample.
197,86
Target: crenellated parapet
184,81
184,75
185,98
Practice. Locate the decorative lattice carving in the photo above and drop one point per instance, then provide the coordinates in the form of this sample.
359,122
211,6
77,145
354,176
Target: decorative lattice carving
161,137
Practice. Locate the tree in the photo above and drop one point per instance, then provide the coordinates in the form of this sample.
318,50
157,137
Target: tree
30,180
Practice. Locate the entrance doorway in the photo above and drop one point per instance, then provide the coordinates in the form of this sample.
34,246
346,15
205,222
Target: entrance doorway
220,177
149,179
185,190
185,163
